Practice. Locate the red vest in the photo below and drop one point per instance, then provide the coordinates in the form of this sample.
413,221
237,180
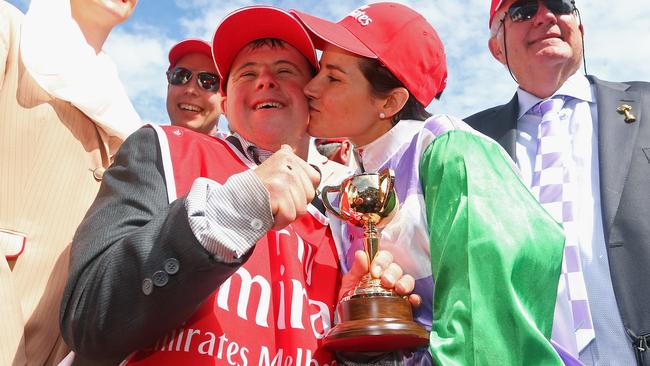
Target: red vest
277,307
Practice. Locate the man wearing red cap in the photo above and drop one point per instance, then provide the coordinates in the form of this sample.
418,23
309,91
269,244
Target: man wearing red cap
600,144
203,251
193,98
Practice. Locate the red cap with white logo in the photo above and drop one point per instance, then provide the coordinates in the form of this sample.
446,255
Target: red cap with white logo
396,35
187,46
493,10
251,23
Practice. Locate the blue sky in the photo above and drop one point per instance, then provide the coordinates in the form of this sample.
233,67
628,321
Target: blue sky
614,36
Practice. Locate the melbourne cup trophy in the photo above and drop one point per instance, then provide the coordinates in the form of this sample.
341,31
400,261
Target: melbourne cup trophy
371,318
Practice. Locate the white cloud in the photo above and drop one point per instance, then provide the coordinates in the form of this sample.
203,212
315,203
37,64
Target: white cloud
476,81
141,57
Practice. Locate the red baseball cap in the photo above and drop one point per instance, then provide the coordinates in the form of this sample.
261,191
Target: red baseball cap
250,23
396,35
187,46
493,9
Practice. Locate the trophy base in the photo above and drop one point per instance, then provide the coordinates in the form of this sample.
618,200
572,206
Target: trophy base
375,324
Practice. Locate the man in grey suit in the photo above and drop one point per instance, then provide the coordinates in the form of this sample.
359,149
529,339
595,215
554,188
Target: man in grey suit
541,45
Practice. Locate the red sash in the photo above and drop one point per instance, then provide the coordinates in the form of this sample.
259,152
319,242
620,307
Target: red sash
277,307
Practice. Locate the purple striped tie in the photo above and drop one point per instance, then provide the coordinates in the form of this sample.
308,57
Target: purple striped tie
553,185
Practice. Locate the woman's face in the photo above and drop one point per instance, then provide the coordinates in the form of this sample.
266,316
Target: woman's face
340,100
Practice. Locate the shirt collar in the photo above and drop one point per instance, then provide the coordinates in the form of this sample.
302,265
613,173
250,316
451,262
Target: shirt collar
374,155
252,152
576,86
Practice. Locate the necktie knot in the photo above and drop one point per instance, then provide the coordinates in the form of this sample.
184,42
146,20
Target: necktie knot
549,106
254,154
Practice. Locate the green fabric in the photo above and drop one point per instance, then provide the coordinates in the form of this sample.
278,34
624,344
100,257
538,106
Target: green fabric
495,257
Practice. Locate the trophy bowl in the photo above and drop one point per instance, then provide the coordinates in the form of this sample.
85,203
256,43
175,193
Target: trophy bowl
371,317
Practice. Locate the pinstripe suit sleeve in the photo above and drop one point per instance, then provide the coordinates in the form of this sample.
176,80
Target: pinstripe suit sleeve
126,236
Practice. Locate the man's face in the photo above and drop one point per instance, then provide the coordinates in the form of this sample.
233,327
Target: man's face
264,102
104,12
189,105
547,43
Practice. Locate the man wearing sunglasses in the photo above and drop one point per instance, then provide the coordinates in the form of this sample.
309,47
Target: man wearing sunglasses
193,98
601,157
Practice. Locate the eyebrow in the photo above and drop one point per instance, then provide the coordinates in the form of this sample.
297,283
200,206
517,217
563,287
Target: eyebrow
335,67
276,63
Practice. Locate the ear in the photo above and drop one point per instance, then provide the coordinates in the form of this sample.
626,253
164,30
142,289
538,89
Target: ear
344,152
495,48
220,102
395,101
223,103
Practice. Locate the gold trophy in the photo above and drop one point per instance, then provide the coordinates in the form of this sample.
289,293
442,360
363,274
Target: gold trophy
372,318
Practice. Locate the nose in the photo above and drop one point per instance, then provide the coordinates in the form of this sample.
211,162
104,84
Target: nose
544,15
266,80
311,89
191,87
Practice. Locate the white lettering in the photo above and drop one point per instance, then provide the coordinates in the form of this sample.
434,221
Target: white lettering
265,357
222,340
281,318
190,333
323,314
261,317
171,341
243,353
361,16
277,239
209,343
233,348
180,340
297,295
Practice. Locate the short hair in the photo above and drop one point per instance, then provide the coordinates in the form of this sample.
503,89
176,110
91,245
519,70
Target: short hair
271,43
328,149
382,81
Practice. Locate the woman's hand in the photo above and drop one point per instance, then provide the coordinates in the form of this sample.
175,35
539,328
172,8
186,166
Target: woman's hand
382,267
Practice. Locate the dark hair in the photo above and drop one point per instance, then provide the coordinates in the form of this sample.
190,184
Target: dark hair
271,43
382,81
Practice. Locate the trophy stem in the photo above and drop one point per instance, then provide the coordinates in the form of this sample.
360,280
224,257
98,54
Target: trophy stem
371,241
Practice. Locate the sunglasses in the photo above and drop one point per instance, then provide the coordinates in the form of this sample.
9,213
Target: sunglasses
524,10
206,80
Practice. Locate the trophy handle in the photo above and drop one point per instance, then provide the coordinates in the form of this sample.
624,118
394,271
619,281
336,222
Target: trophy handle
384,174
326,201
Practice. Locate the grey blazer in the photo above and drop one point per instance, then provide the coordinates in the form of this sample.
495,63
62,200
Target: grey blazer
624,158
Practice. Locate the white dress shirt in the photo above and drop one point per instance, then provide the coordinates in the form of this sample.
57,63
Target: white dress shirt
611,345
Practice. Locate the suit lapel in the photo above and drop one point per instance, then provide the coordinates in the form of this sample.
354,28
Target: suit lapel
616,140
504,126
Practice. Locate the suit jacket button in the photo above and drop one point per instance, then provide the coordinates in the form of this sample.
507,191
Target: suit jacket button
98,173
147,286
172,266
160,278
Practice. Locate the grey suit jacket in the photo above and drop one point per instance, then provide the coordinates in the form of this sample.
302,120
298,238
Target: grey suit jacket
128,234
624,157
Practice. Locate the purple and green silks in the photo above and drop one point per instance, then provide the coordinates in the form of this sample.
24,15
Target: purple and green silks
495,257
485,255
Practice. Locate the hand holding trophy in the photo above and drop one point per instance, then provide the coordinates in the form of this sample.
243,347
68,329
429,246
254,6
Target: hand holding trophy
372,318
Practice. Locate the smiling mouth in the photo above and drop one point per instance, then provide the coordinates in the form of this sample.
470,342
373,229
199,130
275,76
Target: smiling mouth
190,107
268,105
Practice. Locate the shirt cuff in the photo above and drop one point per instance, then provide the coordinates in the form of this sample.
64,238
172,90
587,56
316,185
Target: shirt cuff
229,219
